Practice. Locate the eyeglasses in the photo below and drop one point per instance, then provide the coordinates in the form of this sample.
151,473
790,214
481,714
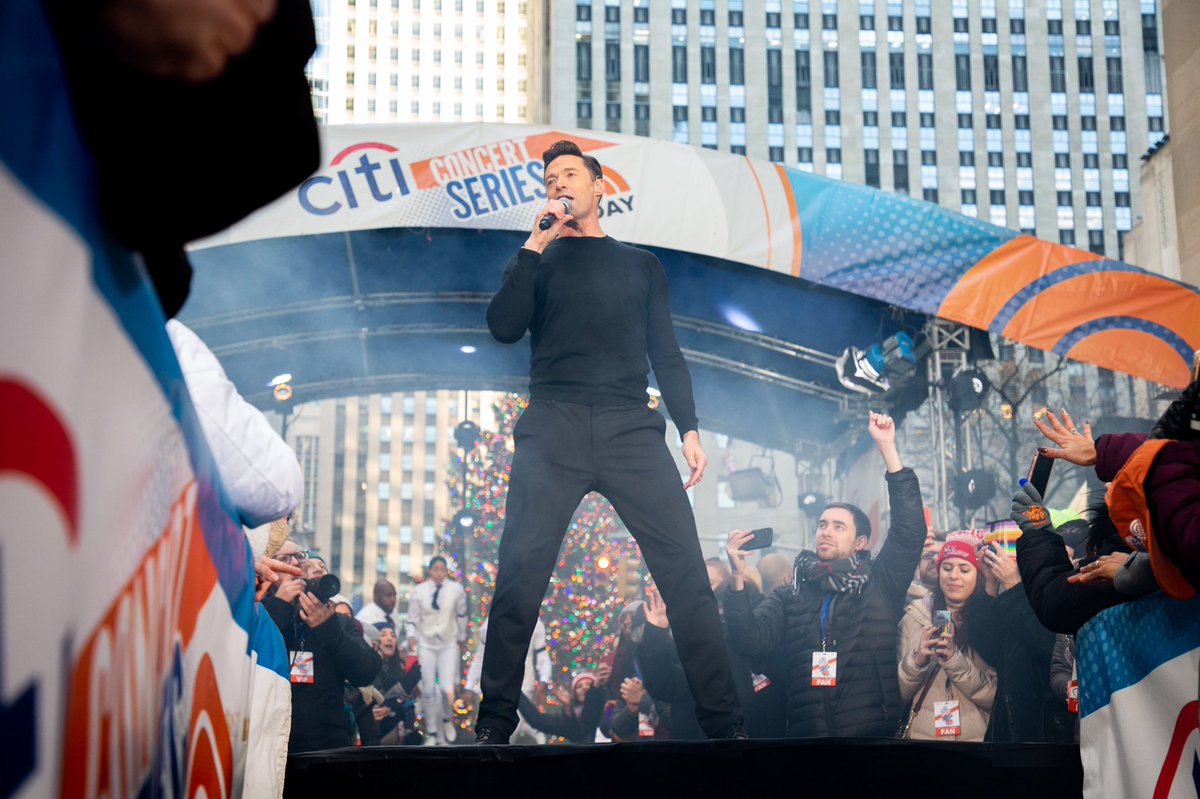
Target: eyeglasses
297,556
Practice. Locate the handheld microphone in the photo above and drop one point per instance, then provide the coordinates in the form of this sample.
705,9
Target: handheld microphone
547,221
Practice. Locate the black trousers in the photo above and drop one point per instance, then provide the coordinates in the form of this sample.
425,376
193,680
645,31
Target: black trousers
563,451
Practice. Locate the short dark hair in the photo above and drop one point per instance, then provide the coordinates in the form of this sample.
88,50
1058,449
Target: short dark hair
862,524
438,559
566,147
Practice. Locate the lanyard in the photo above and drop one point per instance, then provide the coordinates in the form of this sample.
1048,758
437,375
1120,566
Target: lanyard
825,619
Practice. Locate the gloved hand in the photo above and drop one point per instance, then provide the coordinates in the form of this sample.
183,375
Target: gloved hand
1028,510
1179,420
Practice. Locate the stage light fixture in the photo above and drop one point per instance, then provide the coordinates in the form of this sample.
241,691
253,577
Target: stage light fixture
974,488
464,519
812,503
857,372
749,485
466,434
967,390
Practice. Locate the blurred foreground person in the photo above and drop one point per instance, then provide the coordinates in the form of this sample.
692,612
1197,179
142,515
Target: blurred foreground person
837,624
949,685
153,79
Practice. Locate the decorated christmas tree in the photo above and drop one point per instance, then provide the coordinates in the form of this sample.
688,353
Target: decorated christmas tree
596,574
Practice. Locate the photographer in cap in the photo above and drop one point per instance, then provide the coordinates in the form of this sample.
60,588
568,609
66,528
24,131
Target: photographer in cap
325,652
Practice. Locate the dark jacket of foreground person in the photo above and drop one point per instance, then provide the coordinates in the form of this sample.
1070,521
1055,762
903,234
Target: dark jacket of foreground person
862,630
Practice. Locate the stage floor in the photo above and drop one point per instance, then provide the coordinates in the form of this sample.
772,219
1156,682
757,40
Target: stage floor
753,769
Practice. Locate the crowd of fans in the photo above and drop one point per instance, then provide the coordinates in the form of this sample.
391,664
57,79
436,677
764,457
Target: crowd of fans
951,636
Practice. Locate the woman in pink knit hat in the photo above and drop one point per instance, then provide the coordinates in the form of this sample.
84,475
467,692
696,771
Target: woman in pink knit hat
950,686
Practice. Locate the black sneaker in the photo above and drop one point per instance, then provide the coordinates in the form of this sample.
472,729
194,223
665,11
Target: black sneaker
730,732
486,736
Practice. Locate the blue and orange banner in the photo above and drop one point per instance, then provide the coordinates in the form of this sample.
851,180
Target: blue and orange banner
891,248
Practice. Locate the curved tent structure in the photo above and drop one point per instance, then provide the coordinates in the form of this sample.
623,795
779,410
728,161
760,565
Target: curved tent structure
374,274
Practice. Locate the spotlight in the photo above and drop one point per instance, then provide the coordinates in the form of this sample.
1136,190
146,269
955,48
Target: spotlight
286,377
974,488
750,485
812,503
603,563
464,519
967,390
466,434
467,349
283,392
857,371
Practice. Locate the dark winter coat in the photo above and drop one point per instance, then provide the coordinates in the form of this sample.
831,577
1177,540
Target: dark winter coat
862,630
397,680
1007,634
340,655
1172,494
579,729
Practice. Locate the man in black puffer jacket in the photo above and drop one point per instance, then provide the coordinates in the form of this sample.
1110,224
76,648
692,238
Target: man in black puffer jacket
842,610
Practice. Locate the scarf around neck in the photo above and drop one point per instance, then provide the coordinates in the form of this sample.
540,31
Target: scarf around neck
846,576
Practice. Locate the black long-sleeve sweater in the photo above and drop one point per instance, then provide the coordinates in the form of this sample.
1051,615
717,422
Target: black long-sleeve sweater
595,308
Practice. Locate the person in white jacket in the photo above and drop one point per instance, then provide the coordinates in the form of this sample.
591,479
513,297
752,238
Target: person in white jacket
537,672
437,619
258,469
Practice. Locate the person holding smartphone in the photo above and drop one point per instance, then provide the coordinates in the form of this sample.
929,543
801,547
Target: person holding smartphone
950,686
836,625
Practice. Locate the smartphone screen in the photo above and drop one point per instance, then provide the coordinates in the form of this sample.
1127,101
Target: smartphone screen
941,620
1039,473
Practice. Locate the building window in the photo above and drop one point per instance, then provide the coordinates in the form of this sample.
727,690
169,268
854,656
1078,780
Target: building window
962,72
833,117
708,65
1091,161
870,118
1096,241
961,25
583,61
1016,26
996,197
871,161
775,154
896,70
968,197
679,63
868,69
925,71
1058,74
1116,82
612,61
1066,236
995,159
1087,80
929,195
831,69
991,73
833,155
641,63
737,66
929,158
900,170
800,20
966,158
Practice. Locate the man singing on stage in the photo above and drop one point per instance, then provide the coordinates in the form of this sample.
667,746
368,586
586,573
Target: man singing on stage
596,308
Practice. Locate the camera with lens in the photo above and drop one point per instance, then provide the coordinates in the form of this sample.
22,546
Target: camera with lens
325,587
